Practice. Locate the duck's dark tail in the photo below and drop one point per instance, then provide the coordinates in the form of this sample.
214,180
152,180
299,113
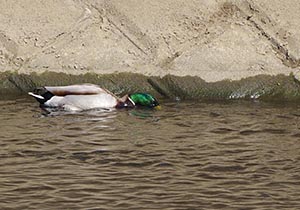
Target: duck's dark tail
41,95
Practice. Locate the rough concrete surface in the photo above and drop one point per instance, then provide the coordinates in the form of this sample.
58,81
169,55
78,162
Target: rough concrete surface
212,39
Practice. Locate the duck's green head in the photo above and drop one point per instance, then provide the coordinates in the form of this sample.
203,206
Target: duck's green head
144,99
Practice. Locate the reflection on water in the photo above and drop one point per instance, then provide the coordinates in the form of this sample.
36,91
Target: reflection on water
189,155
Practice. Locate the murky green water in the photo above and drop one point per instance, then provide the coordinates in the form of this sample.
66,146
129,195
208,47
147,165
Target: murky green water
189,155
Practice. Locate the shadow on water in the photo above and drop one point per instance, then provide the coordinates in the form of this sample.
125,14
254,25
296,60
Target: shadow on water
189,155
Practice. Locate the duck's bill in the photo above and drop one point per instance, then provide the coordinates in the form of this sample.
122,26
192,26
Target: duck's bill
157,107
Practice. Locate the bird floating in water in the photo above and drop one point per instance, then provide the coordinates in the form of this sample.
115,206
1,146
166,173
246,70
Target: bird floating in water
89,96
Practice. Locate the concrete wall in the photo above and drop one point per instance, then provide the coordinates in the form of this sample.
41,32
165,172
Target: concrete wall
212,39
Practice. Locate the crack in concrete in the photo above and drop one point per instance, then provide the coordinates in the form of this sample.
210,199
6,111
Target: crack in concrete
111,14
128,29
63,36
253,14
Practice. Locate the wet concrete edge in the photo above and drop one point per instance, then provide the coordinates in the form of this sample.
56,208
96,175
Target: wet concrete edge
263,87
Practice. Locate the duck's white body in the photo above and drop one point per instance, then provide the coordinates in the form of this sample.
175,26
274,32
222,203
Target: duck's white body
79,97
81,102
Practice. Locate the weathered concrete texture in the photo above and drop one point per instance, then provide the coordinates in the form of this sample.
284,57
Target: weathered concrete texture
211,39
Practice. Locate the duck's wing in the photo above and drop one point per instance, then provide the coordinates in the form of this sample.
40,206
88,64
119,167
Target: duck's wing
44,94
84,89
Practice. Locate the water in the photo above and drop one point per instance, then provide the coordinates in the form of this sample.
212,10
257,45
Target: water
189,155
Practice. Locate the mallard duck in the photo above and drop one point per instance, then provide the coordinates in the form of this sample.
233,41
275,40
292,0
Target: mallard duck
89,96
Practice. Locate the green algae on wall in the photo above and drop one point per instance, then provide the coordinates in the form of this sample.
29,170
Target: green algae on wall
14,83
264,87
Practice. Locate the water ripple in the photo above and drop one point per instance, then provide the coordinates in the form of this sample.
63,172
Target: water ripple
231,155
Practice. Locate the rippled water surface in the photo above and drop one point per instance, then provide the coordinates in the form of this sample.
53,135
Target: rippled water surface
189,155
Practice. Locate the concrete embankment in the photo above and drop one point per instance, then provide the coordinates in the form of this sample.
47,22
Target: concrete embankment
190,49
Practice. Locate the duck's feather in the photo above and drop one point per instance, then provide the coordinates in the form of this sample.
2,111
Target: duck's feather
82,102
36,96
84,89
